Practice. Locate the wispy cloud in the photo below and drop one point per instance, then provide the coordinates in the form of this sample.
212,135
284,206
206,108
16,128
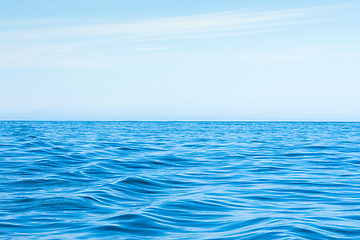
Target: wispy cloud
151,49
30,43
300,54
176,26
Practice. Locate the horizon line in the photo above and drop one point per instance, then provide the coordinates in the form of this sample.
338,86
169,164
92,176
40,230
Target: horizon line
352,121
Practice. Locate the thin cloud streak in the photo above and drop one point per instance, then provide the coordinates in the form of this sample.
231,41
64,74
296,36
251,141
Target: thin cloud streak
63,46
159,55
151,49
187,25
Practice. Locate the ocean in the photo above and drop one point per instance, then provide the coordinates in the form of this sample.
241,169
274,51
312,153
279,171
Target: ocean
179,180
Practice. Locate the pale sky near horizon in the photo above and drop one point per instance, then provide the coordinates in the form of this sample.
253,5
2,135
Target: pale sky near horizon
180,60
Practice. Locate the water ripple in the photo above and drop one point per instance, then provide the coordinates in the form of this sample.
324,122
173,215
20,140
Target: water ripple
179,180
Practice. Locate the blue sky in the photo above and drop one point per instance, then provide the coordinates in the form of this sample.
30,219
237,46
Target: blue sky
179,60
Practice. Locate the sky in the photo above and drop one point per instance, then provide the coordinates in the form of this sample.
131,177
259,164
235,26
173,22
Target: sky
180,60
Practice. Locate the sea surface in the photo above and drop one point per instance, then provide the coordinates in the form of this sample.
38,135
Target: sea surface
179,180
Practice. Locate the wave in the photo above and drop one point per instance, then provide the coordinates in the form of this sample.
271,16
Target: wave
179,180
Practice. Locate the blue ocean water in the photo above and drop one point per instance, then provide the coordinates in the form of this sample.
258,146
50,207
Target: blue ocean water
179,180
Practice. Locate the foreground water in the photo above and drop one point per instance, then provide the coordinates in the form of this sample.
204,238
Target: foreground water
179,180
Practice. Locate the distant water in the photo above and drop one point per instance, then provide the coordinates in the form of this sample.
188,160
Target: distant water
179,180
